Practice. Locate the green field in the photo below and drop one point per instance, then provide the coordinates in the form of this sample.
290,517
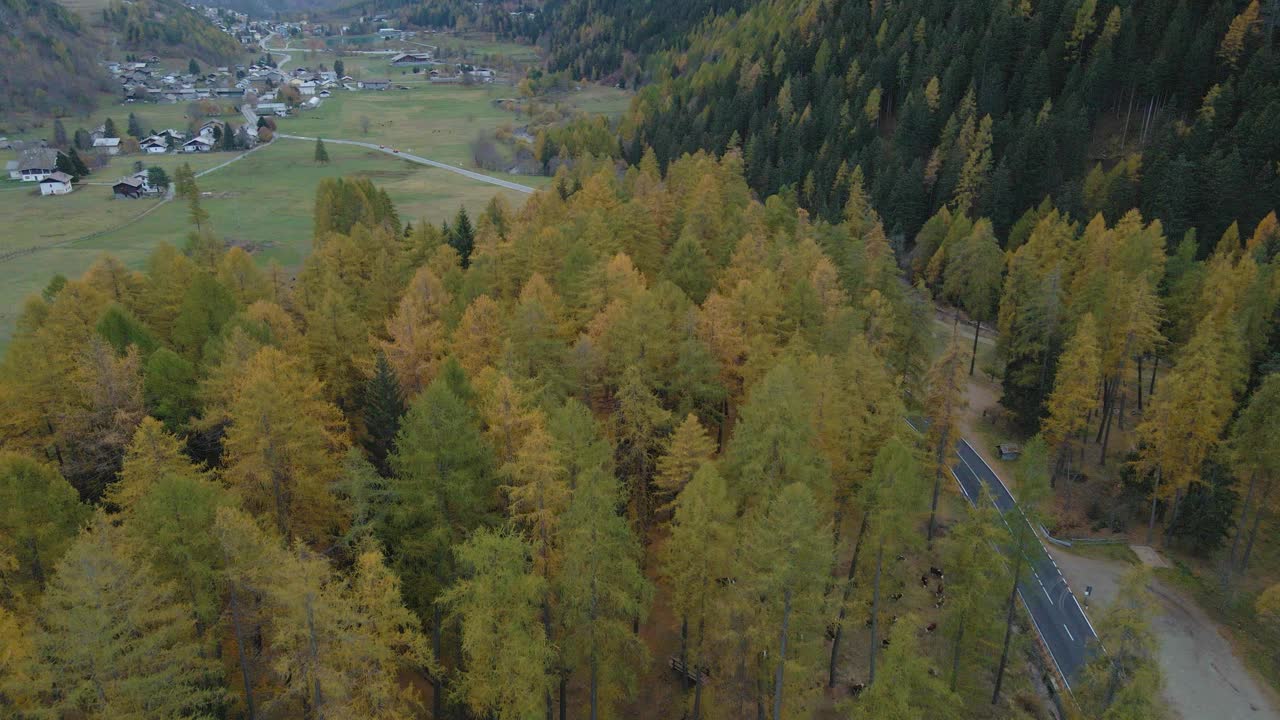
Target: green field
435,121
263,200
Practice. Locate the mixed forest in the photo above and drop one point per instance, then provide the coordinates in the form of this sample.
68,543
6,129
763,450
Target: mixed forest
509,466
639,448
50,63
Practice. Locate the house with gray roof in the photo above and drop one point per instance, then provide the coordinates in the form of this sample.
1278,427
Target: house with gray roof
36,164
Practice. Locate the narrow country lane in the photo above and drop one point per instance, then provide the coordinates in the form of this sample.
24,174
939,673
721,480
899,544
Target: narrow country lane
421,161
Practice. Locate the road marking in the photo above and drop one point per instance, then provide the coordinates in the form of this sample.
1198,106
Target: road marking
1064,627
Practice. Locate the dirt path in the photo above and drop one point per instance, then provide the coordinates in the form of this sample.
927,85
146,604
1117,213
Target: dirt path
1202,677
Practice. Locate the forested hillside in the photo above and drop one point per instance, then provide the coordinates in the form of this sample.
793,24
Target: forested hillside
50,60
1169,106
612,39
168,27
523,461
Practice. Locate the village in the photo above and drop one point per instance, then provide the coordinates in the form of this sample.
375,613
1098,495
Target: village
254,94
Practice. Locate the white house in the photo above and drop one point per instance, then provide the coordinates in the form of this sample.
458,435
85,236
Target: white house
199,143
56,183
37,164
110,146
154,145
307,88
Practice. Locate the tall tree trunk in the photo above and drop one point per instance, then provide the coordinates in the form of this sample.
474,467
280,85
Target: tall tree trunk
684,642
1008,621
1240,526
782,655
1106,439
1257,521
955,656
316,701
564,694
1139,383
875,610
437,680
940,456
246,673
848,591
1106,410
697,699
973,361
1173,515
595,686
546,626
1155,365
1155,494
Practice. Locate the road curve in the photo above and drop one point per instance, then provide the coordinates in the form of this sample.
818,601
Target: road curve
423,161
286,57
1057,615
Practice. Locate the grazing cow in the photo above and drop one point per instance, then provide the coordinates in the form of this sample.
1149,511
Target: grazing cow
857,688
868,623
940,590
884,643
936,572
893,620
931,627
901,558
895,597
924,581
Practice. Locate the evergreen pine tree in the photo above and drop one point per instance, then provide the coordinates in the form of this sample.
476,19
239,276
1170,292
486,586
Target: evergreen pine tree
135,127
383,407
462,237
321,155
81,170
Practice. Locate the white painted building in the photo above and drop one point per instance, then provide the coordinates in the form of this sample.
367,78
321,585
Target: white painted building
57,183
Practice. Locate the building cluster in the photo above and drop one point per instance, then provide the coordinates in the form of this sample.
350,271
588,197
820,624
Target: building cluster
39,164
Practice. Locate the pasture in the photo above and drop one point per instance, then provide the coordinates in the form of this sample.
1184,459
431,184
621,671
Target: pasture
263,201
438,121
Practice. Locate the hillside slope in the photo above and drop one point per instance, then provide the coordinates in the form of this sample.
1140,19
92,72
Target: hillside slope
1179,101
50,60
168,28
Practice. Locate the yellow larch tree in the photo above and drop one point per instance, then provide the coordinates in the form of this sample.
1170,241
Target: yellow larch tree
689,448
1074,392
284,447
417,333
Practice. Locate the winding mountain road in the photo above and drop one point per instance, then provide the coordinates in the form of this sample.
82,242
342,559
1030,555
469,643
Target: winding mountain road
1060,621
422,161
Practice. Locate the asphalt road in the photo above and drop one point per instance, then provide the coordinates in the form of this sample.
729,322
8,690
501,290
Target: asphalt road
1053,607
422,161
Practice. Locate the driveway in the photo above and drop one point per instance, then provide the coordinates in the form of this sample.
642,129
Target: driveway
1202,676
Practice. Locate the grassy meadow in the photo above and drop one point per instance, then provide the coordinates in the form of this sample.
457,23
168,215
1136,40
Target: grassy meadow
263,201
